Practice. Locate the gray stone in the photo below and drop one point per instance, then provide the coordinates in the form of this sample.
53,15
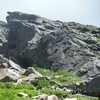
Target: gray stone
91,86
52,97
24,95
8,75
32,71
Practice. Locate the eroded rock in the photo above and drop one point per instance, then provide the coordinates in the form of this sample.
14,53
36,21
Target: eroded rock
8,75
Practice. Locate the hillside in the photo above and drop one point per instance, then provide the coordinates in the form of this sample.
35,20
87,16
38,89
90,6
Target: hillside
68,48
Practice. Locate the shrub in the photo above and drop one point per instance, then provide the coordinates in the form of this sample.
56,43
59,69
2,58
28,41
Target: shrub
41,82
76,90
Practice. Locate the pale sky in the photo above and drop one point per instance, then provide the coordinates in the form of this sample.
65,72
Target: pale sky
82,11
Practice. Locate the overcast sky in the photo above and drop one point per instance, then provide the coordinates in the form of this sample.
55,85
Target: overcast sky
82,11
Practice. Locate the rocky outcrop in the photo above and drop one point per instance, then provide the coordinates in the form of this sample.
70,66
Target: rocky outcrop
4,34
8,75
91,86
53,44
32,71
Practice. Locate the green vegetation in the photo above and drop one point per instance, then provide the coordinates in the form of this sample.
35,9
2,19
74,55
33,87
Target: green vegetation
58,93
11,94
98,39
63,72
84,98
24,85
41,82
11,85
92,29
64,76
67,80
43,71
9,90
21,75
96,52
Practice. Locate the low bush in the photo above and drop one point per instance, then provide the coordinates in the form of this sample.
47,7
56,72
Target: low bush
41,82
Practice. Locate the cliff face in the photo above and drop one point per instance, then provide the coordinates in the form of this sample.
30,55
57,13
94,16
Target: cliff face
31,39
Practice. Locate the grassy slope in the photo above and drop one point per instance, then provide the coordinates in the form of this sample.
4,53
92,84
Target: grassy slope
9,90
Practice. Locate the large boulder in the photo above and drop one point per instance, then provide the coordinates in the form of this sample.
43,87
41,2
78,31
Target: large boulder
91,86
8,75
32,71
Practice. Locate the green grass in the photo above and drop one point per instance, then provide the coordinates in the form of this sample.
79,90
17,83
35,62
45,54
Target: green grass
9,90
98,39
63,72
22,75
41,82
63,75
84,98
43,71
11,85
11,94
58,93
67,80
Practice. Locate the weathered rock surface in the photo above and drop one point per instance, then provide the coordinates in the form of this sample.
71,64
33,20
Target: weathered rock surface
32,71
91,86
4,34
8,75
24,95
46,97
52,44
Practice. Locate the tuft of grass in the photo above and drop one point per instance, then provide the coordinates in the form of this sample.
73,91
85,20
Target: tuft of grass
98,39
84,98
58,93
22,75
43,71
11,94
24,85
67,80
63,72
